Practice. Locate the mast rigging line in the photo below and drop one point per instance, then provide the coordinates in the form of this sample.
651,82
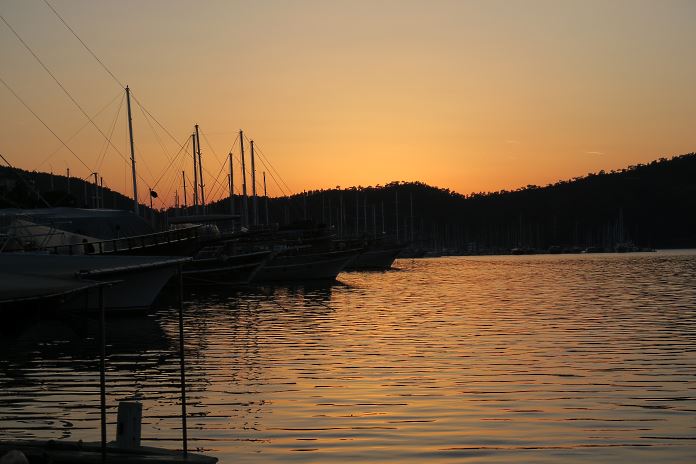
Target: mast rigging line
120,94
120,84
69,95
113,76
101,159
271,169
266,164
21,177
159,141
57,81
217,185
170,161
174,181
42,122
182,149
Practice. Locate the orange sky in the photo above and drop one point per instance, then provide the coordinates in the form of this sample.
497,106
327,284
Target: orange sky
473,96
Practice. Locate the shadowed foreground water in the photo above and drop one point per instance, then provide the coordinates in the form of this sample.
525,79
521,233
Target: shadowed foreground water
584,358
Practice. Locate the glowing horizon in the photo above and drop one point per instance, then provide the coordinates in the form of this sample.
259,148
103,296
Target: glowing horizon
470,96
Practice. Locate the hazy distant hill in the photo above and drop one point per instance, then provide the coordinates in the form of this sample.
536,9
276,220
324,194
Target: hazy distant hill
653,205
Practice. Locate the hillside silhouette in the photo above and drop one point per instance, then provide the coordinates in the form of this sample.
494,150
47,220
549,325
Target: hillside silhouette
652,205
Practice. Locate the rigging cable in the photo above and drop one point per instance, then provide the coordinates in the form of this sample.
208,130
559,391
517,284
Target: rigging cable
271,169
69,95
120,94
120,84
113,76
111,134
42,122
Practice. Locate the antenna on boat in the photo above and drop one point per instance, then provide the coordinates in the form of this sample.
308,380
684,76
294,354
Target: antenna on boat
245,203
132,149
254,205
200,168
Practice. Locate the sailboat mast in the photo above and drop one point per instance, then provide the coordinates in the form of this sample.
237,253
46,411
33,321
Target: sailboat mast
365,215
245,201
357,214
412,217
254,204
183,176
195,173
231,185
265,195
200,168
383,230
132,149
397,216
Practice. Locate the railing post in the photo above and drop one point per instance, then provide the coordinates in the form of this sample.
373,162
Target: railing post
102,371
182,363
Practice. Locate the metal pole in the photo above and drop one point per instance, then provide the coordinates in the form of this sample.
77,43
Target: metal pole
412,217
102,371
183,176
374,222
182,363
340,219
200,169
365,215
254,204
231,185
265,196
68,181
195,174
132,149
383,230
245,201
95,203
357,214
397,216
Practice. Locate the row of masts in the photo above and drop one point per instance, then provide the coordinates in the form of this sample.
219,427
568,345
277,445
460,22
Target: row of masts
199,203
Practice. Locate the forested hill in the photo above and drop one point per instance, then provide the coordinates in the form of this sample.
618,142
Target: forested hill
32,189
652,205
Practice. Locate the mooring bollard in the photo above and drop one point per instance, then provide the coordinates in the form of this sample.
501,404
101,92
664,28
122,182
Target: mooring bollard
128,425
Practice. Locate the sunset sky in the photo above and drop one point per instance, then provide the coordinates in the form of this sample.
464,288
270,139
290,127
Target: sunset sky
472,96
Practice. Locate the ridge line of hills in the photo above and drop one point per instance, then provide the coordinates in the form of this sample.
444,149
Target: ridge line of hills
650,205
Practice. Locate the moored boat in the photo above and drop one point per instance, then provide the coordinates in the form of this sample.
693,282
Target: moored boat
62,452
135,281
214,266
299,263
378,257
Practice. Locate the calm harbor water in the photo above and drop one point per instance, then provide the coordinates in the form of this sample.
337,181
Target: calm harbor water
580,358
